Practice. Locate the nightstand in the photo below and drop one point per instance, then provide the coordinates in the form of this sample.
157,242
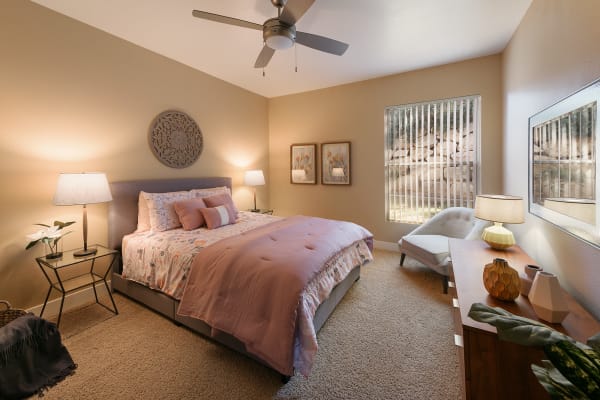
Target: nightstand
63,276
262,211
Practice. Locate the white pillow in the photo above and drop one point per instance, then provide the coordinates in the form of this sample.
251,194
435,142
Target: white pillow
143,216
161,212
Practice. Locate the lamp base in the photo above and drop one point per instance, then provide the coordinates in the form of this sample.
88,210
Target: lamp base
498,237
85,252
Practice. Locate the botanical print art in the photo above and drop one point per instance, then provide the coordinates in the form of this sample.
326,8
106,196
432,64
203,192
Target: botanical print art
335,163
303,163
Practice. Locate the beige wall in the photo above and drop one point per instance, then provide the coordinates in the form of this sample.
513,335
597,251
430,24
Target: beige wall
354,112
553,53
72,99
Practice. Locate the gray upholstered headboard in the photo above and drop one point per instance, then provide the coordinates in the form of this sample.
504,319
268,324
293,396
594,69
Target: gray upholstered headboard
123,210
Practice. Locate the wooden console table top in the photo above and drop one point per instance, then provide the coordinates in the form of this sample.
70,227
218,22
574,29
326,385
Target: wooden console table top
468,260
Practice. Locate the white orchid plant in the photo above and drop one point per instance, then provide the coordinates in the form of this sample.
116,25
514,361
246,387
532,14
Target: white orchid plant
50,235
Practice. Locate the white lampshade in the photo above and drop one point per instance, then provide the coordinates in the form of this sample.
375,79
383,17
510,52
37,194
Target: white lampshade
254,178
337,172
83,188
499,209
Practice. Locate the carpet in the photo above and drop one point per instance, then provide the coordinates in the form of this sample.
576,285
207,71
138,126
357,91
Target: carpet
391,337
82,318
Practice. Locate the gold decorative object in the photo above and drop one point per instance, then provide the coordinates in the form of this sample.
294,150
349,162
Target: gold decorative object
501,281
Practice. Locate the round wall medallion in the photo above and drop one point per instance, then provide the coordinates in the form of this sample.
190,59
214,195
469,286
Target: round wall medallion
175,139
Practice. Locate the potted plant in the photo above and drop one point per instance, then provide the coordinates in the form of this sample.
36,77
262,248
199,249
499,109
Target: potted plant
50,236
572,370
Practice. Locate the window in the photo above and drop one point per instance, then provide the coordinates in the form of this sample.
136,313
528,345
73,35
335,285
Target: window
431,154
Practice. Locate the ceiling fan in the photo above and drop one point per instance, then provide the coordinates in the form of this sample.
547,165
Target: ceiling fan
280,33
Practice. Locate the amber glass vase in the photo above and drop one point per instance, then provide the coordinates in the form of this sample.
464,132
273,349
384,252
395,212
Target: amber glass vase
501,281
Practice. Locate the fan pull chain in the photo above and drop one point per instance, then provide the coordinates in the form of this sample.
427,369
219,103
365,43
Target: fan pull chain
263,72
296,57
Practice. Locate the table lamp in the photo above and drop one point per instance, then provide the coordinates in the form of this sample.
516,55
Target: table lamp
254,178
499,209
82,189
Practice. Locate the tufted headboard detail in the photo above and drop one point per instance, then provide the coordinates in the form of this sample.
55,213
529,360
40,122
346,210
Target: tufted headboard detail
123,210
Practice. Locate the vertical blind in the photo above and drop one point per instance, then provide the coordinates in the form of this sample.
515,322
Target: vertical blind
431,153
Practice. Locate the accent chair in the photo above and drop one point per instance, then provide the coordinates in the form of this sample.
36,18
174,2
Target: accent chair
428,243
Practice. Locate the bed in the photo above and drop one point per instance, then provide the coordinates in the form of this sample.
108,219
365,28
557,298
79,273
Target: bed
167,300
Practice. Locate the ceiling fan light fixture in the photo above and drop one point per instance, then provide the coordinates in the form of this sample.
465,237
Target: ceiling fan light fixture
278,35
279,42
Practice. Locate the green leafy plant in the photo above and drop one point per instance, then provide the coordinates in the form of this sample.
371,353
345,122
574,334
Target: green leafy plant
572,370
50,235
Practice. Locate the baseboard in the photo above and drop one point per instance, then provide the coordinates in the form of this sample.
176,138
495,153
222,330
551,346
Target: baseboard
389,246
73,301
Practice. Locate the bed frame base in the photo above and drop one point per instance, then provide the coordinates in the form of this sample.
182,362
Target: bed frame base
167,306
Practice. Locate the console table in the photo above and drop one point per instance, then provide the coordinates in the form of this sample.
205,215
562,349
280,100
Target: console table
491,368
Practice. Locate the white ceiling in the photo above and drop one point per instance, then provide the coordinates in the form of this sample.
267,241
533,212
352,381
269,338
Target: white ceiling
385,36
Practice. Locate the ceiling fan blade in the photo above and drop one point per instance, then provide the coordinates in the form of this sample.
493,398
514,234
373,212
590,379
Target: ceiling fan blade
264,57
321,43
294,10
226,20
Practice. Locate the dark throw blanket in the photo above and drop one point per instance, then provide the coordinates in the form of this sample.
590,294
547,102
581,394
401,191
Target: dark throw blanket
32,357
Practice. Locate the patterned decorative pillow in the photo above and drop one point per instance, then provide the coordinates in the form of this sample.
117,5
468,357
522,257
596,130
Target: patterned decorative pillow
161,212
210,191
188,212
216,217
221,199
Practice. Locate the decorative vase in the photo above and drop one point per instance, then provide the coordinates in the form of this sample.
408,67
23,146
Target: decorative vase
527,278
525,284
547,298
501,281
531,270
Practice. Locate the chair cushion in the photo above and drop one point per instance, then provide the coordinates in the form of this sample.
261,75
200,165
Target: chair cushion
429,249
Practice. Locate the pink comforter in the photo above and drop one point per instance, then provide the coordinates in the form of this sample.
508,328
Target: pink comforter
249,286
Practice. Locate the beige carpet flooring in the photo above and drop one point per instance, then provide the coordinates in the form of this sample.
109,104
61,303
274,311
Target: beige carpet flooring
390,338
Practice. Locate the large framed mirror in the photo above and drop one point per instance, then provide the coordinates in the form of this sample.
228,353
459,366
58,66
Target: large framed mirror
563,169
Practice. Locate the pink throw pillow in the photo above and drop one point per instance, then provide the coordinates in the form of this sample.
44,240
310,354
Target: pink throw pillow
221,199
218,216
189,213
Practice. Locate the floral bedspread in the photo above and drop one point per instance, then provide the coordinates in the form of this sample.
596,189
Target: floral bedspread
162,260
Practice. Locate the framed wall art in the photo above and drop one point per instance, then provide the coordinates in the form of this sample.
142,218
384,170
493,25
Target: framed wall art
564,140
303,163
335,163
